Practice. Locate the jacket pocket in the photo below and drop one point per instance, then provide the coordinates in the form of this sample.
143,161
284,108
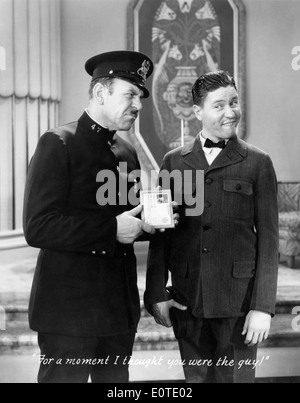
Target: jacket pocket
237,200
242,281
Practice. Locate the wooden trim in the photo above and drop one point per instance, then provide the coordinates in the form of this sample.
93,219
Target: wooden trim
12,240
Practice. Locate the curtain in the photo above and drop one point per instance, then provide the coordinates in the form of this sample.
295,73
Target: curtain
30,92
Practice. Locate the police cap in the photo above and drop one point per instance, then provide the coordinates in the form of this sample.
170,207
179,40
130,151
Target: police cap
127,65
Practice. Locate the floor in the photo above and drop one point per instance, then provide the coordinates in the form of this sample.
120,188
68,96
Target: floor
16,277
15,283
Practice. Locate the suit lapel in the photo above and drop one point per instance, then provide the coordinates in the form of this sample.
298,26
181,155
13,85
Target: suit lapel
234,153
193,155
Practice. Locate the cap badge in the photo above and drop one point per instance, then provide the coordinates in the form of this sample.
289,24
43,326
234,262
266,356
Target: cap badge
143,70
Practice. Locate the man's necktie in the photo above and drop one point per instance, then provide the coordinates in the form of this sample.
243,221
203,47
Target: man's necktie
209,144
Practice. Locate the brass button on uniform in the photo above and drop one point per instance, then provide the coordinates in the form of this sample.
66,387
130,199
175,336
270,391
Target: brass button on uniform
238,186
205,250
209,181
207,205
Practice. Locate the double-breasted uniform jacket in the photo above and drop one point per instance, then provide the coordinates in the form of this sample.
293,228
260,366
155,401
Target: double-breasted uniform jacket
223,263
85,282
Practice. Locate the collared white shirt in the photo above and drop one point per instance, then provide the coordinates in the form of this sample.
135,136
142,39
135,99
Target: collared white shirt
210,153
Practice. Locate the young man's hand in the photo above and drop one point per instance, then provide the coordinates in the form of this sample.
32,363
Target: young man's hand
161,312
256,328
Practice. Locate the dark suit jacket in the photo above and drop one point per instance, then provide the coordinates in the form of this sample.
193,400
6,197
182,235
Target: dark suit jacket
223,263
85,282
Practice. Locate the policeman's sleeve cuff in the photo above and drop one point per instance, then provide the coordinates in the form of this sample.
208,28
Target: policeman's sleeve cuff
107,240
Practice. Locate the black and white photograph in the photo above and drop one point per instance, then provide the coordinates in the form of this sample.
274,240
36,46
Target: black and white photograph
149,194
157,209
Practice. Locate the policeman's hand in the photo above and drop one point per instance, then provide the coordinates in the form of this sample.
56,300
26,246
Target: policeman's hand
161,312
130,228
175,206
256,328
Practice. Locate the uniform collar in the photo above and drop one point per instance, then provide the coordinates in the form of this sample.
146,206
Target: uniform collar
95,127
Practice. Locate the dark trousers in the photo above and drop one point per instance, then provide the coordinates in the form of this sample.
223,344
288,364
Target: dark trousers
75,359
220,342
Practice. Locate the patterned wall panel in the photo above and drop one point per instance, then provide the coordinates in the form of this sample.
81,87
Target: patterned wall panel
289,197
185,39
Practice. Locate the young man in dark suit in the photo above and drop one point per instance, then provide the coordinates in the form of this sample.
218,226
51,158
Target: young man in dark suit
85,302
224,262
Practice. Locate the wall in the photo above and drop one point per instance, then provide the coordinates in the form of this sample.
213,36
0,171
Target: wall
93,26
273,30
89,27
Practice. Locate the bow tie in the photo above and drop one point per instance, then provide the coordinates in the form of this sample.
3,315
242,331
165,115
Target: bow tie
209,144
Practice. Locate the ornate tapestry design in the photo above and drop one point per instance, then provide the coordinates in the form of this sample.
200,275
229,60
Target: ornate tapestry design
289,219
185,39
289,197
185,44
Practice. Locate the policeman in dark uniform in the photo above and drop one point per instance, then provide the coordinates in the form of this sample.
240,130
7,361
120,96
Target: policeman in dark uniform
84,302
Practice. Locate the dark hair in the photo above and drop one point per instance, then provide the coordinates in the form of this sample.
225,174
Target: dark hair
210,82
107,82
